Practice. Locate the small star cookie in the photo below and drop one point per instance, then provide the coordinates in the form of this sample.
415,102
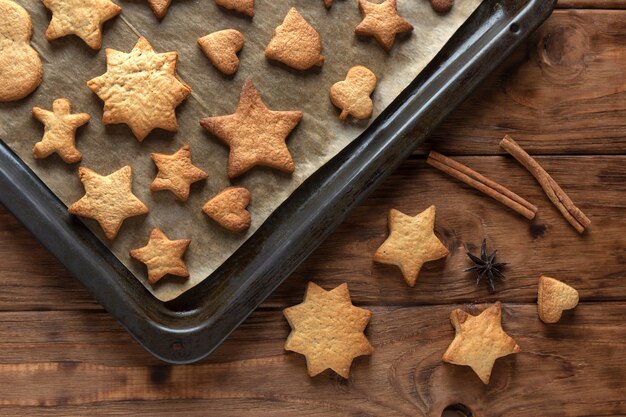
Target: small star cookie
60,130
176,173
162,256
411,243
328,330
479,340
228,208
159,7
255,134
221,48
83,18
554,296
108,199
240,6
382,22
140,89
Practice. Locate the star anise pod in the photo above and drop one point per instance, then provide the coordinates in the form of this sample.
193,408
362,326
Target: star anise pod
485,266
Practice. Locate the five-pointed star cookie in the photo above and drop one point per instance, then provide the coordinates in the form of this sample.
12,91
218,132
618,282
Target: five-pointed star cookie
255,134
159,7
176,173
411,243
479,340
162,256
328,330
140,89
83,18
108,199
60,130
382,22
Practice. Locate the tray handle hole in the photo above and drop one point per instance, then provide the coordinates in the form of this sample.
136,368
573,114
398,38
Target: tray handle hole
457,410
514,28
177,347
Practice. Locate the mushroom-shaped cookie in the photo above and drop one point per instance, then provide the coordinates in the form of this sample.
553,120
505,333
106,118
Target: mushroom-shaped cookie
352,95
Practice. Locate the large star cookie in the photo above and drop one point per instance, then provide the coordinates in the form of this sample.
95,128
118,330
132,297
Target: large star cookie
328,330
479,340
162,256
255,134
83,18
60,129
382,22
108,199
159,7
176,173
140,89
411,243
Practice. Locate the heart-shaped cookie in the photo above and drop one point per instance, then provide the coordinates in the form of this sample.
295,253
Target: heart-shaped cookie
221,48
228,208
553,297
352,95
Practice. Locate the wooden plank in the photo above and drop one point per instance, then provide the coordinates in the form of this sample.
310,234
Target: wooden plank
592,4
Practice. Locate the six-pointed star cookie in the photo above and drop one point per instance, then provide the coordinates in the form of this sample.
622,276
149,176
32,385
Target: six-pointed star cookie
255,134
411,243
108,199
159,7
176,173
162,256
83,18
479,340
60,130
328,330
382,22
140,89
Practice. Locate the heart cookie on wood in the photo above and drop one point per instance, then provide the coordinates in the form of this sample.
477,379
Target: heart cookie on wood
352,95
221,48
228,208
553,297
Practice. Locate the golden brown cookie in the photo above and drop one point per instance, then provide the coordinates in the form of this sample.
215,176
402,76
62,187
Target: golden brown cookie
382,22
162,256
176,173
255,134
221,48
159,7
240,6
60,130
83,18
352,95
140,89
328,330
108,199
328,3
411,243
20,65
554,296
296,43
479,340
442,6
229,209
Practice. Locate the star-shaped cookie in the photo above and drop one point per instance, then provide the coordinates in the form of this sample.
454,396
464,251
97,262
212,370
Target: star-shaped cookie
108,199
159,7
140,89
59,131
479,340
162,256
83,18
382,22
255,134
328,330
411,243
176,173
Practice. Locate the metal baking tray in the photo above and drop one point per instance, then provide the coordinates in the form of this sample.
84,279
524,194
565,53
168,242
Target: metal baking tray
190,327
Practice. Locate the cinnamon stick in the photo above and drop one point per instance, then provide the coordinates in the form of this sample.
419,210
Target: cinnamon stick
554,192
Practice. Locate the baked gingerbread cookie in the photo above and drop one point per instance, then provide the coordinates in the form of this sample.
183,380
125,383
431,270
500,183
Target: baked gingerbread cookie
20,65
141,89
176,173
162,256
240,6
352,95
59,131
553,297
442,6
382,22
159,7
221,48
229,209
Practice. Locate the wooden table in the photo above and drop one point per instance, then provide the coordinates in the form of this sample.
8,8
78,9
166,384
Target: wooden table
563,97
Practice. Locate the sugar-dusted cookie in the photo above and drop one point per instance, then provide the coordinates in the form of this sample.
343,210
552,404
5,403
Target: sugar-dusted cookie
352,95
108,199
382,22
442,6
479,340
411,243
83,18
176,173
162,256
221,48
20,65
59,131
159,7
255,134
229,209
240,6
328,330
296,43
141,89
554,296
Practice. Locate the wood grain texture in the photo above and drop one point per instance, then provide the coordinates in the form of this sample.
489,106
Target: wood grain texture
591,4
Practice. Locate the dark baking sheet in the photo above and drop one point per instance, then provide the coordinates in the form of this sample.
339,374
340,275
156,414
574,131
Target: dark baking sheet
190,327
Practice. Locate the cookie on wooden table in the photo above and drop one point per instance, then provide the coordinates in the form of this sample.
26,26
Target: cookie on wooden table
240,6
554,296
352,95
229,209
159,7
221,48
382,22
162,256
176,173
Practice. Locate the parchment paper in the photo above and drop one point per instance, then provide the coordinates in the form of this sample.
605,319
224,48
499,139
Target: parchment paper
69,64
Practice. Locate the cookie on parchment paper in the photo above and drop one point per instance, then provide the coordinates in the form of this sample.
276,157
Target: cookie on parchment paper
176,173
162,256
352,95
381,21
229,209
221,48
159,7
240,6
554,296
